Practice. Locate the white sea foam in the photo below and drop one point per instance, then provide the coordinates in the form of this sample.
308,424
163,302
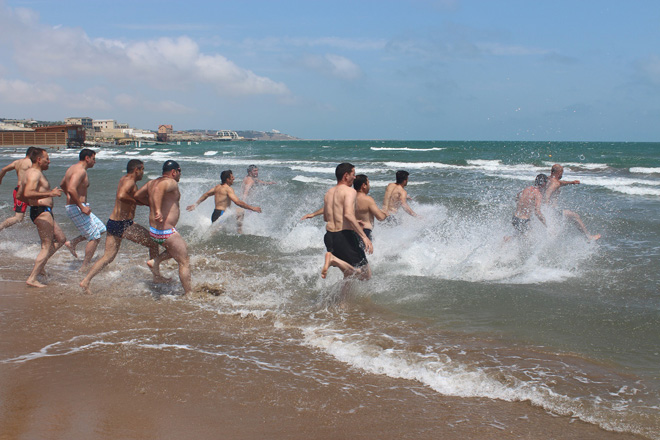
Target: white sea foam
406,149
210,153
645,170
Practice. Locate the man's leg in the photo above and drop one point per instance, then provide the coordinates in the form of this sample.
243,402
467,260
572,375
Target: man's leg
60,239
240,216
179,251
580,224
138,234
90,248
331,260
44,224
11,221
112,244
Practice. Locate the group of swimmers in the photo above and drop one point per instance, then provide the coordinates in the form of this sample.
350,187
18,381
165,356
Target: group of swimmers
348,210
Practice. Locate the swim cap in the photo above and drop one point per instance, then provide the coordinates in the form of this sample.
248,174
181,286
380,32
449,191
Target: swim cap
171,165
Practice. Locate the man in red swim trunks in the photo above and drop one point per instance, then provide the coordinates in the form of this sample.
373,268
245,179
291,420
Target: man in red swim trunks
20,166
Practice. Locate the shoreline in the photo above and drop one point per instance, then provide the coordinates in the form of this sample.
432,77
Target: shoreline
134,366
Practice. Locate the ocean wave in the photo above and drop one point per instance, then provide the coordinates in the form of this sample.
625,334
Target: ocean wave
645,170
405,149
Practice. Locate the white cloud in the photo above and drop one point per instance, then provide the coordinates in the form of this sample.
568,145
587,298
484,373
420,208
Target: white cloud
44,53
21,92
333,65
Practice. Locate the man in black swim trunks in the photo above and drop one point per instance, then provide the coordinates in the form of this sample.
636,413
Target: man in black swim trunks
342,239
224,195
120,225
35,190
528,202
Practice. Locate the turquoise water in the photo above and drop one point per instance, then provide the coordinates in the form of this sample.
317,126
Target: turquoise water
566,324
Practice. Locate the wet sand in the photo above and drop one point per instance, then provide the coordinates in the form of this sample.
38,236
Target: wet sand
108,366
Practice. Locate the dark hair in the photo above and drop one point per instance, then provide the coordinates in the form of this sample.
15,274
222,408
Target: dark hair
401,176
251,167
360,180
29,150
225,175
133,164
342,169
541,180
36,154
85,153
170,165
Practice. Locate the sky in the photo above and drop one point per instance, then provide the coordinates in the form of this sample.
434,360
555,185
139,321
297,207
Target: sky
542,70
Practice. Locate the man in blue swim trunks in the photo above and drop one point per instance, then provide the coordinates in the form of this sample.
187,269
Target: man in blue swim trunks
224,195
163,195
75,184
120,225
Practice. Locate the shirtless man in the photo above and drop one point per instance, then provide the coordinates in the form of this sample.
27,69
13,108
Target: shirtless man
343,232
396,195
162,195
20,166
35,190
75,184
529,202
249,181
224,195
366,209
120,225
551,195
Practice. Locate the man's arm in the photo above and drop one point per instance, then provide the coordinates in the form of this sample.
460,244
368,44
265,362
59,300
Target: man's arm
403,198
537,208
126,192
349,217
162,188
72,190
374,210
5,170
246,187
30,188
232,196
204,196
313,214
141,196
570,182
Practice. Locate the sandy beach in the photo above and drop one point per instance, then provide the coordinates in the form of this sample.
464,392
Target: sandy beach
71,368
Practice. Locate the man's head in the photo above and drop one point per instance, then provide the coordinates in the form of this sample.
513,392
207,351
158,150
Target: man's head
557,171
29,150
88,156
227,177
402,177
40,157
253,171
136,166
173,169
541,180
361,183
343,169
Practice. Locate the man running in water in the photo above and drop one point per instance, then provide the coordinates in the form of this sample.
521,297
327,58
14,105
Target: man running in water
249,181
396,195
20,166
120,225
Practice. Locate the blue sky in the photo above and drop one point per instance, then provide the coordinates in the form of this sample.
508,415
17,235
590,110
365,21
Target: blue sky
586,70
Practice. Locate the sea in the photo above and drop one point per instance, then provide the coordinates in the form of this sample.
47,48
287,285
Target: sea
569,325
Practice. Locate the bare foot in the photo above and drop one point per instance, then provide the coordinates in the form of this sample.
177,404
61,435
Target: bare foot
35,283
84,268
71,248
326,264
594,237
85,287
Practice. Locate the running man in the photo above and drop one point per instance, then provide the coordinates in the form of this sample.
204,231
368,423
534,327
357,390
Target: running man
249,181
224,195
35,190
528,202
163,195
20,166
396,195
552,190
343,232
366,209
120,225
75,184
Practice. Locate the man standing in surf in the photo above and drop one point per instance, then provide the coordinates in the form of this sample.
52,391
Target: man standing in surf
396,195
343,232
551,195
20,166
120,225
162,195
249,181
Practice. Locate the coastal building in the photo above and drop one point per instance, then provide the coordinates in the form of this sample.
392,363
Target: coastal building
86,122
52,135
227,135
104,124
164,132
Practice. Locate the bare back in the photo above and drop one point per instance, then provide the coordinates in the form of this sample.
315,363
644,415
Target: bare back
339,203
222,194
124,208
528,202
395,196
363,210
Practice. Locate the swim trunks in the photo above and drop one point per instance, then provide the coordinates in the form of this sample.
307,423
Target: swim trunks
18,205
367,232
521,225
346,245
89,225
36,211
160,235
117,227
216,214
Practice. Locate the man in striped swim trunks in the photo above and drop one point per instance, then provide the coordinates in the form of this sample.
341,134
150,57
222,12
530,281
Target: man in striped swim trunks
162,195
75,184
